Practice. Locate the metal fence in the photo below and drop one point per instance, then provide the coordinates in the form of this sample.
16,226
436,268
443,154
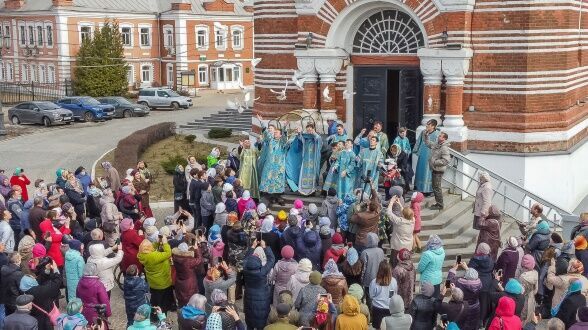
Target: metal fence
12,93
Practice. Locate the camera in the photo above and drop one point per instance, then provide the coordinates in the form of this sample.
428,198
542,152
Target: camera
100,310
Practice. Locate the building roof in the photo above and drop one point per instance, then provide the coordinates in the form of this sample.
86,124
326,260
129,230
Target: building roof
125,6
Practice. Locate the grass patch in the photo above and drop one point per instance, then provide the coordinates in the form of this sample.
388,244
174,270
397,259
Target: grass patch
233,138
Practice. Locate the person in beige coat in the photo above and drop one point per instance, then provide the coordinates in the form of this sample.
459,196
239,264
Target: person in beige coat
402,230
483,198
438,161
560,283
529,279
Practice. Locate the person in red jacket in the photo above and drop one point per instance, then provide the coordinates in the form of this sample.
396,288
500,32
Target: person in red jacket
336,251
21,180
505,318
54,235
130,239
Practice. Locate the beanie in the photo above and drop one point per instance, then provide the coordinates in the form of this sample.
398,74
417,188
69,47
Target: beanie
74,244
126,224
304,265
325,231
39,250
528,262
282,215
292,220
312,208
337,238
144,310
483,249
513,287
287,252
298,204
356,291
315,278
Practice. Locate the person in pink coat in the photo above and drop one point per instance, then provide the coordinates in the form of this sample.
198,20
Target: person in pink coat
415,204
245,203
92,292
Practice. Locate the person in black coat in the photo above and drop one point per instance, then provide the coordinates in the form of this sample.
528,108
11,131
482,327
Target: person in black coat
568,308
455,308
46,293
134,289
271,239
402,163
78,200
422,308
180,188
197,185
10,275
308,246
258,262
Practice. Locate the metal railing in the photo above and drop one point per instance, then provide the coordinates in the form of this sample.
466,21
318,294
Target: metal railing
462,174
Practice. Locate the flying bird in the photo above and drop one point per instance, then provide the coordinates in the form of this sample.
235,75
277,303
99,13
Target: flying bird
255,62
236,105
326,95
247,99
297,80
281,95
347,94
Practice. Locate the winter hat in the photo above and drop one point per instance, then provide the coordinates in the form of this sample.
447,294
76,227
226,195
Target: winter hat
427,289
325,231
218,297
312,209
456,294
220,208
583,314
543,227
74,244
483,249
151,233
292,220
27,282
144,310
576,267
282,215
183,247
287,252
126,224
260,253
165,231
25,299
331,192
528,262
126,189
352,256
74,306
513,287
471,274
324,221
580,243
356,291
298,204
149,222
39,250
315,278
305,265
227,187
246,195
261,208
512,242
404,255
283,310
337,238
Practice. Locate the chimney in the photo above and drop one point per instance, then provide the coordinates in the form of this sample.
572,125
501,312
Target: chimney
14,4
62,3
182,5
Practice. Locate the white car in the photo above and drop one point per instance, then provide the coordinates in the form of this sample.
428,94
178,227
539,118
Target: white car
163,98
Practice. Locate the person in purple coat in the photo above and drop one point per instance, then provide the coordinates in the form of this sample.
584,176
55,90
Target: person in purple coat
510,259
92,292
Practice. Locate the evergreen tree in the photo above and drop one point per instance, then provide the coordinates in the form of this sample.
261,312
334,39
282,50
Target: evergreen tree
100,68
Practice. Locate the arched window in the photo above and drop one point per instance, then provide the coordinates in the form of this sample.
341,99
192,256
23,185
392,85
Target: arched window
388,32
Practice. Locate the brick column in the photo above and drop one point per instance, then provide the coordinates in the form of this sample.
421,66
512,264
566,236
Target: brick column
455,65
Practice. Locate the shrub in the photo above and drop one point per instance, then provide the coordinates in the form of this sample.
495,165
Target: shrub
169,165
130,148
184,92
190,138
216,133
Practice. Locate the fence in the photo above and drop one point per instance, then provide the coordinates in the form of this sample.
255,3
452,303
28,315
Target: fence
12,93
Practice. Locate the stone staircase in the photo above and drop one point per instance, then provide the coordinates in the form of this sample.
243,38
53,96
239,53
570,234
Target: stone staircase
228,118
453,224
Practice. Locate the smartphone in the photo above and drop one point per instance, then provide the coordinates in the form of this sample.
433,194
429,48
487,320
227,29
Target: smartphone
391,293
307,328
458,259
308,223
160,237
444,319
220,260
47,234
447,284
499,272
117,241
181,222
222,309
199,232
324,295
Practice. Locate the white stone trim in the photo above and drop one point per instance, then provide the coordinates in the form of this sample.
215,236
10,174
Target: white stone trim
132,39
241,29
529,137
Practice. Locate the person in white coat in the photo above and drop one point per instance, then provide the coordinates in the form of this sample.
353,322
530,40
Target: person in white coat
105,265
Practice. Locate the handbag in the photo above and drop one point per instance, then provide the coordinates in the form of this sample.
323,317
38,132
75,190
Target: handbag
52,315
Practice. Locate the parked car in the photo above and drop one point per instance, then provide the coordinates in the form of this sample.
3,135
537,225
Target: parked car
163,98
87,108
39,112
124,108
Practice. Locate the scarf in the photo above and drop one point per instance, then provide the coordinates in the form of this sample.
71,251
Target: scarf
190,312
331,269
575,286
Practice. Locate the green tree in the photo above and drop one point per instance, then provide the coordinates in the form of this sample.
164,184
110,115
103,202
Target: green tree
100,68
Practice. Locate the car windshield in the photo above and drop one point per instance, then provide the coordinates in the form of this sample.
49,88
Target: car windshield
172,93
122,100
47,106
90,101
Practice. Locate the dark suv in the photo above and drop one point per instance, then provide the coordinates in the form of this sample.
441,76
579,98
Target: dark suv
123,108
87,108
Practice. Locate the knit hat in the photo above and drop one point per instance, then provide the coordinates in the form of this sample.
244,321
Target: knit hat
528,262
315,278
404,254
324,221
74,306
25,299
292,220
220,208
298,204
456,294
352,256
282,215
513,242
325,231
471,274
427,289
513,287
580,243
312,208
149,222
305,265
246,194
583,314
151,233
27,282
126,224
39,250
74,244
576,267
483,249
356,291
144,310
183,247
261,208
287,252
337,238
283,310
227,187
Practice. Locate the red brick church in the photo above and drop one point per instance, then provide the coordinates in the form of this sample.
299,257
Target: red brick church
507,79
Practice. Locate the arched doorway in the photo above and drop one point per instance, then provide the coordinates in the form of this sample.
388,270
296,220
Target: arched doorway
386,74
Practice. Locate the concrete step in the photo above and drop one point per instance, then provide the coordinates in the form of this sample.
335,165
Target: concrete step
449,200
240,116
218,124
207,127
449,223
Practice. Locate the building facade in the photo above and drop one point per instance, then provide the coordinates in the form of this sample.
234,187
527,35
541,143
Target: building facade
506,79
177,43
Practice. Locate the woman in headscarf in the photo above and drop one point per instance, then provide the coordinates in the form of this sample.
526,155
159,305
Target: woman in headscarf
186,259
560,283
284,269
193,315
75,194
539,241
5,186
272,240
509,259
245,203
258,262
92,292
180,189
572,301
352,267
529,279
301,278
455,308
483,198
405,275
471,286
155,258
334,282
111,176
490,230
142,187
431,263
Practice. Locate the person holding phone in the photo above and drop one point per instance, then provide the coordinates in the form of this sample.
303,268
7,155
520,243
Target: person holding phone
455,310
402,229
259,261
104,264
186,258
308,297
381,289
157,267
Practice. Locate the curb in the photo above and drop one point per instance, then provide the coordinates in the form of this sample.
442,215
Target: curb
93,175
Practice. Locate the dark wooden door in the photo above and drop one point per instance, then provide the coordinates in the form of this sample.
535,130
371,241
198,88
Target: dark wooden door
410,95
370,100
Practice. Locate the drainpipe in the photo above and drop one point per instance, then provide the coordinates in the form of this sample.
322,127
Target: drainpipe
159,32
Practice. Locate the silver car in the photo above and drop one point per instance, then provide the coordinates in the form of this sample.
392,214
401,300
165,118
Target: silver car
39,112
163,98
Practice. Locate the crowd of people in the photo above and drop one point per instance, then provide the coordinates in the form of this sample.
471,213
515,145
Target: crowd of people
225,260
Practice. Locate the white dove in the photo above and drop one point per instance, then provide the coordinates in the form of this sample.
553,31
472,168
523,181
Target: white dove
232,105
326,96
281,96
347,94
299,82
247,99
255,62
